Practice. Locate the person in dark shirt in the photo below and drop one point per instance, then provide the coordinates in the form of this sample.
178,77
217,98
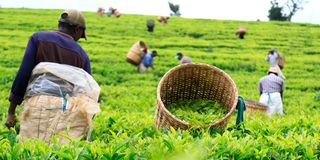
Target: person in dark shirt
241,32
50,46
150,25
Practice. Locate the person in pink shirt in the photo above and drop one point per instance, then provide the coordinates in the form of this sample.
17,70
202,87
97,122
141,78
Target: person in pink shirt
182,58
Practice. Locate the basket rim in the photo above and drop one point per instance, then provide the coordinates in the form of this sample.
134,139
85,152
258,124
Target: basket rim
203,65
255,103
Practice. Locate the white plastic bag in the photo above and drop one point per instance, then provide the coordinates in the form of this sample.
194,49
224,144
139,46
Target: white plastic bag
61,79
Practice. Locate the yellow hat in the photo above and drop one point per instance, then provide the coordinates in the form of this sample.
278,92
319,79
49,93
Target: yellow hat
273,69
74,18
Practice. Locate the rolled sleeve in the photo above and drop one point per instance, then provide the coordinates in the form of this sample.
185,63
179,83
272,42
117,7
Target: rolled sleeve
21,81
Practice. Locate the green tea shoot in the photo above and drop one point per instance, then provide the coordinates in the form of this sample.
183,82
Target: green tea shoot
198,112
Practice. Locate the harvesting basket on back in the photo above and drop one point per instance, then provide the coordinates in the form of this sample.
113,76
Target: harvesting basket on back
253,106
191,82
135,54
281,61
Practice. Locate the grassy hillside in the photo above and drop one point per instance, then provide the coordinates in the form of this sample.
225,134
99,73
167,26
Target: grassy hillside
124,129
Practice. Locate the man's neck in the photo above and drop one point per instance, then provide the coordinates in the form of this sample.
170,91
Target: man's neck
273,73
66,33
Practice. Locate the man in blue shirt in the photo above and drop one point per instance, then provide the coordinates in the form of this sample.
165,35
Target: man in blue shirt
147,61
50,46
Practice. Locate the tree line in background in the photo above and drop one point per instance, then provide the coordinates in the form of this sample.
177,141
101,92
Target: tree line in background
175,9
276,12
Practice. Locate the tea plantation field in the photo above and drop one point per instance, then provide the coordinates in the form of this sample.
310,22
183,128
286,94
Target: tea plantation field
124,129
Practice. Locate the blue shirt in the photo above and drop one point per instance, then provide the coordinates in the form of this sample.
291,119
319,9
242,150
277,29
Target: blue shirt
51,46
147,60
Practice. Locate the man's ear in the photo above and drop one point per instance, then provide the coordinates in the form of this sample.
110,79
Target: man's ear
77,29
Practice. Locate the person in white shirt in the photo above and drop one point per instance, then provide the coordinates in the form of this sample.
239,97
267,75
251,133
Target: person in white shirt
272,57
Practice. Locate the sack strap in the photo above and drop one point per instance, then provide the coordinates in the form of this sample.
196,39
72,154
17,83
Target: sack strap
65,102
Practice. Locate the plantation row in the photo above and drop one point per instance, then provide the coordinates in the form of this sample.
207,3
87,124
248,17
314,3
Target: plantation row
124,129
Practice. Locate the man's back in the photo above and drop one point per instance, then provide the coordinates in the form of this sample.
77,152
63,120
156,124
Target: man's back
51,46
58,47
147,60
185,59
271,83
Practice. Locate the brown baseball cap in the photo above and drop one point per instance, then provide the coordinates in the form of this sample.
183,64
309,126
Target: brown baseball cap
74,18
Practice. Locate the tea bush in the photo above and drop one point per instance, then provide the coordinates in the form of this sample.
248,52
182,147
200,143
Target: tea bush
124,129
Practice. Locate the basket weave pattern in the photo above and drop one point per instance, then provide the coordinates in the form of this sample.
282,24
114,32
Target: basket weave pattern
135,55
190,82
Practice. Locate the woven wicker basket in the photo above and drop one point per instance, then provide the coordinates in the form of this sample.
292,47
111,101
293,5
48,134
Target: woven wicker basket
135,55
253,106
194,81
